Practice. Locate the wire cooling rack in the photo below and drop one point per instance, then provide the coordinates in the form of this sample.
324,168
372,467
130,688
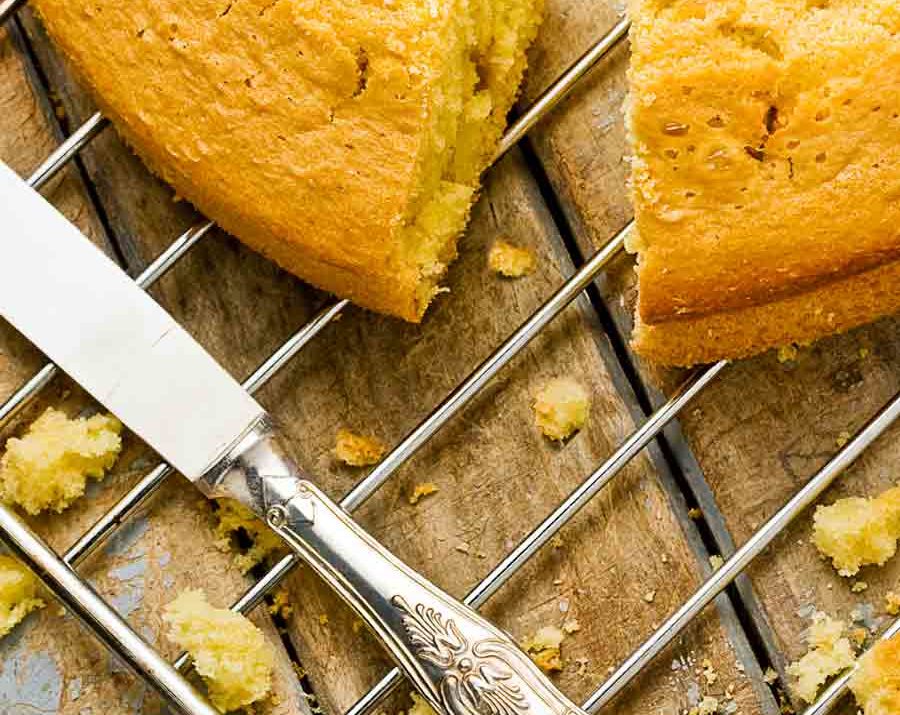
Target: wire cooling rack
138,495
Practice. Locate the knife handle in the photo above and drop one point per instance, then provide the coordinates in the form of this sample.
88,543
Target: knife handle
459,662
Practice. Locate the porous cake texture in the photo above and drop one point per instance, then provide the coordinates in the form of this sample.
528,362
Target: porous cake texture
48,467
228,651
344,139
876,683
765,172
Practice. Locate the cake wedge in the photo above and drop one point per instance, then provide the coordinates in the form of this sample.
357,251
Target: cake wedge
342,139
765,172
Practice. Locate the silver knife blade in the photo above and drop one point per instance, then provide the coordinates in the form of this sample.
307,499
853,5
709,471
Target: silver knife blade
80,309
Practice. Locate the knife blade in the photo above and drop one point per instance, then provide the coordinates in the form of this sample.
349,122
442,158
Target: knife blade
68,298
76,305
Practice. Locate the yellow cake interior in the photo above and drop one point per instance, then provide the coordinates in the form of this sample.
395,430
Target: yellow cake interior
483,64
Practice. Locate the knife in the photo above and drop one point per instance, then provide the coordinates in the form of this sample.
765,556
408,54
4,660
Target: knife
87,316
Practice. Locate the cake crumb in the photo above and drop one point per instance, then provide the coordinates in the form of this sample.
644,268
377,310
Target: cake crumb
234,520
571,626
770,676
556,542
20,593
48,467
892,603
858,636
830,652
708,672
420,706
228,651
357,450
544,648
716,562
694,513
511,261
856,531
842,439
323,619
281,604
787,353
859,587
561,408
876,682
420,491
708,706
650,596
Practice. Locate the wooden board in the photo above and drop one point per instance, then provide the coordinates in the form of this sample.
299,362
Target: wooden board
379,376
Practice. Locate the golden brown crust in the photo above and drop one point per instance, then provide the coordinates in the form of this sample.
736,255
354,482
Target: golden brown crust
300,127
765,167
830,309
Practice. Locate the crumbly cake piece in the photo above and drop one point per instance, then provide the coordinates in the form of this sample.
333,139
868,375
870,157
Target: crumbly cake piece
876,682
356,450
561,408
342,139
511,261
544,648
856,532
765,172
229,652
830,653
48,467
20,593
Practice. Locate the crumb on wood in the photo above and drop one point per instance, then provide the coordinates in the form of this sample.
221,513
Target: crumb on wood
561,408
511,261
830,652
892,603
858,531
281,604
787,353
48,467
708,706
859,586
420,491
228,651
571,626
544,648
357,450
20,593
716,562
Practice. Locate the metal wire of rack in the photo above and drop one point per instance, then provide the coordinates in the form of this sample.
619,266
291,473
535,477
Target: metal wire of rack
11,529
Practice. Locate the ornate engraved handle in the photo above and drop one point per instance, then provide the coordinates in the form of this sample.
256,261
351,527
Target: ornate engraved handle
458,661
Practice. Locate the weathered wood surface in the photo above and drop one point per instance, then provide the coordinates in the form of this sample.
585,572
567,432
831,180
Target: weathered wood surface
755,436
379,376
